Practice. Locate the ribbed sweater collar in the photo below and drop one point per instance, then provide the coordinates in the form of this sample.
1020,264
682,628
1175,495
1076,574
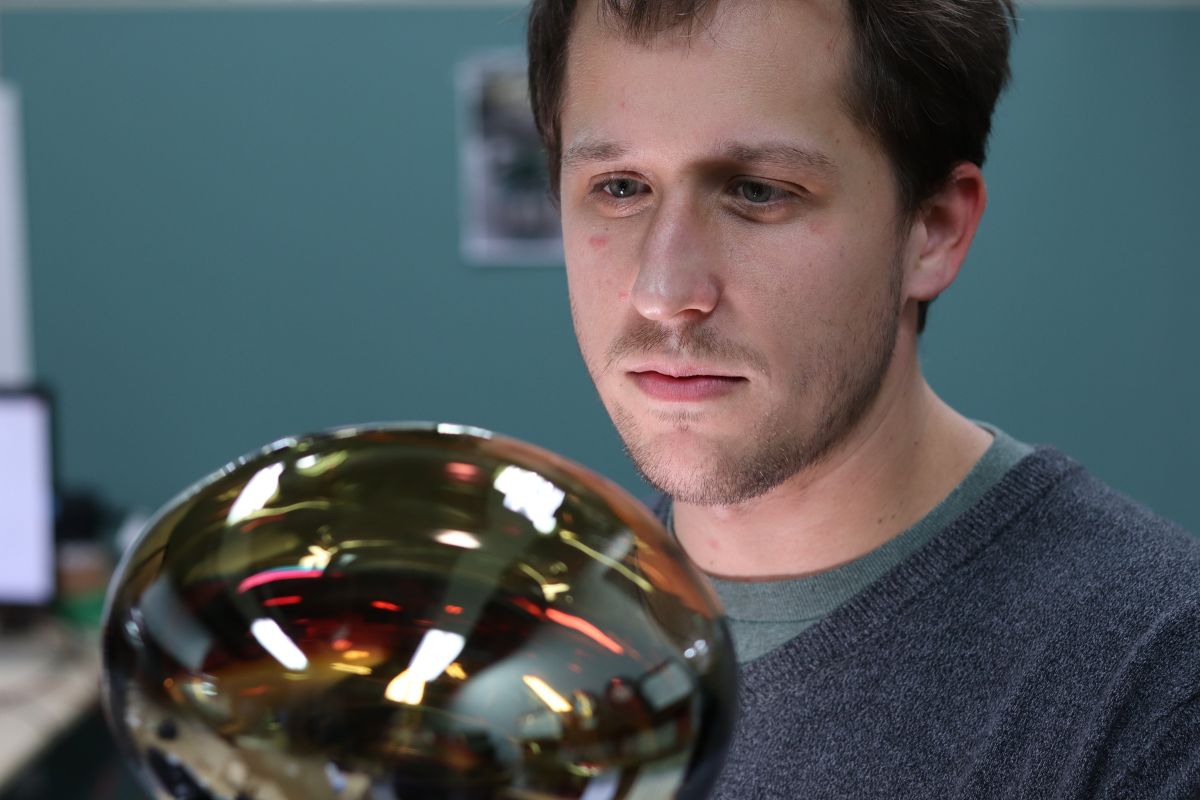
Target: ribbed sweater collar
876,607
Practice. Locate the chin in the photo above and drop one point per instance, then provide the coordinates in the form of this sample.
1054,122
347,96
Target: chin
710,488
689,468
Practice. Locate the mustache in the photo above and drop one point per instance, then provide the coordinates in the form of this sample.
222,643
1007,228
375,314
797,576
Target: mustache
692,342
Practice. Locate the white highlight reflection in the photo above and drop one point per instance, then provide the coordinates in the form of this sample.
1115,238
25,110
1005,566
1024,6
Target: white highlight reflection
276,642
553,700
467,541
449,429
437,651
530,495
257,492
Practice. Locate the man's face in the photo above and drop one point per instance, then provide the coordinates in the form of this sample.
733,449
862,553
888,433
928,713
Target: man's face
731,242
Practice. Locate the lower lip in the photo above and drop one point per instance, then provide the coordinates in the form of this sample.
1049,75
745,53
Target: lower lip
690,389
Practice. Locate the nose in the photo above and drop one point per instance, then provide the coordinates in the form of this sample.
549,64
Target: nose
677,276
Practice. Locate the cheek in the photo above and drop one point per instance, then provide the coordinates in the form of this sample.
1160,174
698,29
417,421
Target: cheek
591,302
839,273
804,294
596,264
592,332
597,244
789,276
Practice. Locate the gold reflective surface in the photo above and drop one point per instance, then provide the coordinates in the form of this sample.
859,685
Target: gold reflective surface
408,612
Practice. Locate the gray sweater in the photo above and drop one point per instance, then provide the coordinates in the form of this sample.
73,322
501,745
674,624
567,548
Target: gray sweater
1045,645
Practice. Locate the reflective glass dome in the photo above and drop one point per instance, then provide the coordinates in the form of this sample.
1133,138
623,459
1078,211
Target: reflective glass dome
410,612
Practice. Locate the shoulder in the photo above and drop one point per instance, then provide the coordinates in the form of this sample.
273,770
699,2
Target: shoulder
1100,596
1084,567
1130,583
1108,577
1089,532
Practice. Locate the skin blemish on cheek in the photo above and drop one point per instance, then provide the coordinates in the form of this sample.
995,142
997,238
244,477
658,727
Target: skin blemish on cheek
622,295
598,240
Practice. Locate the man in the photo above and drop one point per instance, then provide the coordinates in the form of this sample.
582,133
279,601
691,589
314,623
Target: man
759,200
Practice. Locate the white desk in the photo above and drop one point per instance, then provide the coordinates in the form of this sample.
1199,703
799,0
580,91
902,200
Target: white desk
49,678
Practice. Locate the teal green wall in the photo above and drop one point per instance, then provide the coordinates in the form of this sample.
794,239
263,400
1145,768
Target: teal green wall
244,225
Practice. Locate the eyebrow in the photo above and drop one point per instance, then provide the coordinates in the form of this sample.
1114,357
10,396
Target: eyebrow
779,154
590,151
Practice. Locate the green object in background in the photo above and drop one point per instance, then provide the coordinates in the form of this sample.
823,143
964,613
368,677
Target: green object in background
84,611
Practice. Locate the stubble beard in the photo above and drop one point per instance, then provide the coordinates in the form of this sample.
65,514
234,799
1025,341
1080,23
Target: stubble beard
774,449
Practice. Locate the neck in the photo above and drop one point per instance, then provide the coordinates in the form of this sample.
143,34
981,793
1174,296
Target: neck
906,454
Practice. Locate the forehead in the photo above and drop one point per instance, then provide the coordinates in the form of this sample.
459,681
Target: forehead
740,65
696,19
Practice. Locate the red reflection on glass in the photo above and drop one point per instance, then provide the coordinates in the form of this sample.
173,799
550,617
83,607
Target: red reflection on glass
462,471
342,644
454,610
385,605
586,628
527,606
282,574
573,622
285,600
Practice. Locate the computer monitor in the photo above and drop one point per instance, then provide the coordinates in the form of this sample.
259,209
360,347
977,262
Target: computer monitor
27,545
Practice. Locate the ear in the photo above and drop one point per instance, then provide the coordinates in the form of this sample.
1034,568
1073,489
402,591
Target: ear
943,232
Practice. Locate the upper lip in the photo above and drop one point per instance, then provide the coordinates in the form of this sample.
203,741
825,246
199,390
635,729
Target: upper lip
683,369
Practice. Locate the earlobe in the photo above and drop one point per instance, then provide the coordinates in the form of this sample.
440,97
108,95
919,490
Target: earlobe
950,219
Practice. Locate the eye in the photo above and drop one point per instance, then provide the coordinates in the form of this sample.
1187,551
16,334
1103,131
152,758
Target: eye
757,192
622,188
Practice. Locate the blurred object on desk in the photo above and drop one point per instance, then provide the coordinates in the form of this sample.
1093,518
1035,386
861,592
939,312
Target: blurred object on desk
86,556
49,680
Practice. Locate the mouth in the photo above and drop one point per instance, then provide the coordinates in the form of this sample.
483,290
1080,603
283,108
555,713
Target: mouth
684,383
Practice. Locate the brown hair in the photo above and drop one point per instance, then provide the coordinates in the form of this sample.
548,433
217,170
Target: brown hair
924,76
